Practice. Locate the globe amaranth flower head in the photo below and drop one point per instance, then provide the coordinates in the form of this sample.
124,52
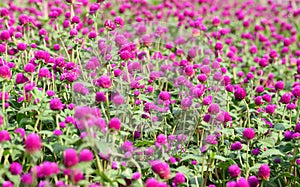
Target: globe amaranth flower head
103,81
249,133
15,168
56,104
253,181
70,157
264,172
240,93
114,124
234,170
179,178
164,95
236,146
161,168
33,143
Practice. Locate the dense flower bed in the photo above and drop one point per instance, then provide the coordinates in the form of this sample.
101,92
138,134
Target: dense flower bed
149,93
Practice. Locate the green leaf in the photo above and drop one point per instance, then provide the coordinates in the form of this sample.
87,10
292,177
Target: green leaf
271,152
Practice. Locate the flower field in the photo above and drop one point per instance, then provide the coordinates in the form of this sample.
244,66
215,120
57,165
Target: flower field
152,93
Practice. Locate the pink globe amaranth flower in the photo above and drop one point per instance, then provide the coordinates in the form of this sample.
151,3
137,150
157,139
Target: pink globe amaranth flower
29,68
234,170
136,176
236,146
253,181
86,155
296,91
264,172
214,108
186,103
114,124
270,109
279,85
249,133
5,72
56,104
47,169
161,168
152,182
4,136
33,143
127,146
286,98
70,157
109,25
211,139
231,184
179,178
242,182
15,168
27,179
240,93
103,82
7,184
161,139
164,95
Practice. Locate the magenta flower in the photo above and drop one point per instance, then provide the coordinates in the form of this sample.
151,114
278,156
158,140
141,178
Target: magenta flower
249,133
33,143
103,82
70,157
15,168
56,104
161,168
240,93
27,179
4,136
164,95
115,124
264,172
86,155
253,181
179,178
234,170
5,72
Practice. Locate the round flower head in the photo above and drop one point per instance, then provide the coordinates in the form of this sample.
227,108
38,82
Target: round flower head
234,170
5,72
242,182
27,179
56,104
179,178
236,146
162,169
253,181
7,184
214,108
264,172
15,168
70,157
103,81
115,124
86,155
249,133
151,182
164,95
231,184
33,143
240,93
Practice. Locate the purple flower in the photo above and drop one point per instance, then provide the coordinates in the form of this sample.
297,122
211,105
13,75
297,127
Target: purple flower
264,172
27,179
136,176
164,95
253,181
211,139
242,182
240,93
86,155
103,82
49,168
70,157
5,72
33,143
179,178
115,124
214,108
127,146
161,168
7,184
231,184
249,133
4,136
236,146
234,170
288,135
56,104
15,168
